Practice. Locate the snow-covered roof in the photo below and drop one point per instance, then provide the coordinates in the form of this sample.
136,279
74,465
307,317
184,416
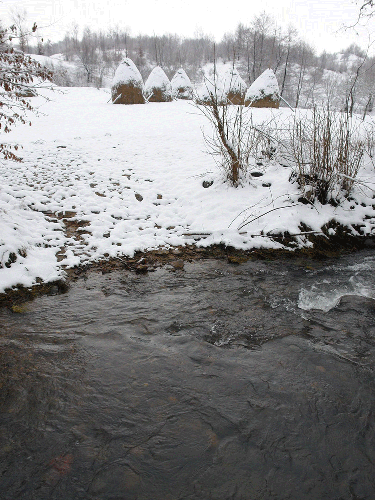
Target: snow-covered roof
181,80
265,85
127,72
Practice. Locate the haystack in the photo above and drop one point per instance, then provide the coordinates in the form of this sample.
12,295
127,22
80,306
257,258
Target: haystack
210,89
234,87
127,85
181,85
264,92
157,87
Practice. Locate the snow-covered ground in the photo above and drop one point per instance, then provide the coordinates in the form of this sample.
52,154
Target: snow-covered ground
134,175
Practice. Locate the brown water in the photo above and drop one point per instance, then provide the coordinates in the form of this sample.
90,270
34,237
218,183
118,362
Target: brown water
215,382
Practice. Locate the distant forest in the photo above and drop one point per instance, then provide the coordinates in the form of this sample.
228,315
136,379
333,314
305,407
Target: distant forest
345,79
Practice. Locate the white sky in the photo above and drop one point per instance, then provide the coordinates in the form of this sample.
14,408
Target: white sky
318,21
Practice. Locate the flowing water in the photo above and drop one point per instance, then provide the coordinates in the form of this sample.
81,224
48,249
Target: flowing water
215,382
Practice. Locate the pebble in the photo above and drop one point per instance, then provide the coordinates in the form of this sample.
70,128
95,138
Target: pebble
178,264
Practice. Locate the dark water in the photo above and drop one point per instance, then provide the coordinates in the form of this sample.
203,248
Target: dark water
215,382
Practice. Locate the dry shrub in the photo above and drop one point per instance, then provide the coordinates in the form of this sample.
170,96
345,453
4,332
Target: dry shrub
326,150
235,139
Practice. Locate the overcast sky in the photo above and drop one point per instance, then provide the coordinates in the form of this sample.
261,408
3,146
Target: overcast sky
319,22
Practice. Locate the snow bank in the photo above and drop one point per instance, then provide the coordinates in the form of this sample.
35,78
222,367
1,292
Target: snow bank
28,242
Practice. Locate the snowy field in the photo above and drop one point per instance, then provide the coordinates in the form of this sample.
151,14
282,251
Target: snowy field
132,177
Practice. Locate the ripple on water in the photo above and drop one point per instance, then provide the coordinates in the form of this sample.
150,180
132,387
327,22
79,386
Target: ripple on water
215,383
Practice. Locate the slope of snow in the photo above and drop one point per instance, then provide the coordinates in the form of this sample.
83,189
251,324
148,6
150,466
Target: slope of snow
131,178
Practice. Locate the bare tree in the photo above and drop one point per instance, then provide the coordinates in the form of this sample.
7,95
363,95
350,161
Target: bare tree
19,18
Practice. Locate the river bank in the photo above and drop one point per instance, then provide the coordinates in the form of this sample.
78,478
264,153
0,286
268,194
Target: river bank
174,259
112,181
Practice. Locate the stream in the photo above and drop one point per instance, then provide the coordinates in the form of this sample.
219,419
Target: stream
215,382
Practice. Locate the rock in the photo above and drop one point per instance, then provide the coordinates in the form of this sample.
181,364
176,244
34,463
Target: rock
138,196
369,243
141,269
19,308
237,259
178,264
207,184
162,251
256,174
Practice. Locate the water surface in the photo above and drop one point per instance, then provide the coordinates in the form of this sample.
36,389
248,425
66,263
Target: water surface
215,382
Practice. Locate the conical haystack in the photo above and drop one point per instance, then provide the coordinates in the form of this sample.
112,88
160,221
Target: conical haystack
210,90
127,85
181,85
264,92
157,87
234,87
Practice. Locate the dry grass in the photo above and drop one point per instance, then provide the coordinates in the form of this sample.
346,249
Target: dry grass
235,139
326,151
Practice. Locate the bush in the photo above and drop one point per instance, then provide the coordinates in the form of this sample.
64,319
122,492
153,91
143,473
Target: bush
235,138
326,151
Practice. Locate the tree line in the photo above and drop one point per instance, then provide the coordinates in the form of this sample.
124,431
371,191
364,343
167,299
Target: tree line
305,78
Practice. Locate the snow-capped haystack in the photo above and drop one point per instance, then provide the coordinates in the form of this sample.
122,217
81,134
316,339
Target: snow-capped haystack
210,89
181,85
264,92
158,87
234,86
127,84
